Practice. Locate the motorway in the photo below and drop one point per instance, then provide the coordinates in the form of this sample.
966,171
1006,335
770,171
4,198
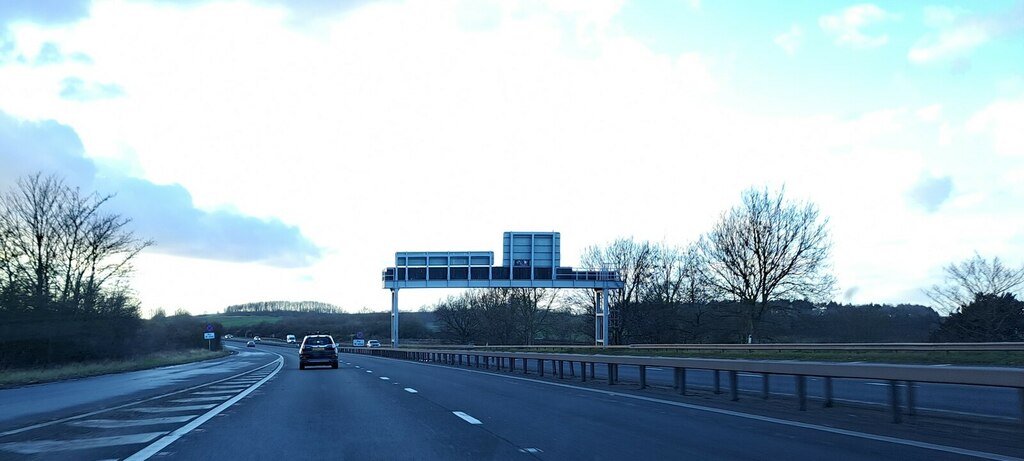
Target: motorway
258,405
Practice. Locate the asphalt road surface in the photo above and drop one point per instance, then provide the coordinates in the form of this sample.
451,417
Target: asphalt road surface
259,405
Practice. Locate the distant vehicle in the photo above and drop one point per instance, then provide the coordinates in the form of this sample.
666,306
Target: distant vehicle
250,344
373,343
290,339
228,336
358,342
256,338
318,350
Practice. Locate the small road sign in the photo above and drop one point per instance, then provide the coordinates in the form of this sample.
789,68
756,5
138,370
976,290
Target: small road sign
209,335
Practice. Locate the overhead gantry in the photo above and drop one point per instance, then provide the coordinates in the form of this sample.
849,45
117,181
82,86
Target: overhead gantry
530,260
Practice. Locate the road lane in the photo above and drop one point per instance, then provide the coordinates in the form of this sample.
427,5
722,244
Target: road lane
569,423
339,414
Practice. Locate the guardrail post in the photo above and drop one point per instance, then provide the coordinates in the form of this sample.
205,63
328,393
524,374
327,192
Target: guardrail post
611,375
643,377
681,373
476,359
894,400
526,366
592,370
540,367
718,382
511,364
734,393
801,391
764,385
561,369
572,369
911,398
583,371
828,392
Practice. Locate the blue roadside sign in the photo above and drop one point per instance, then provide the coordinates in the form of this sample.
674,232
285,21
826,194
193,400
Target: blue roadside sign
209,327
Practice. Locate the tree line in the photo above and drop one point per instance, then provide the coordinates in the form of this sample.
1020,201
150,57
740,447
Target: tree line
761,274
279,307
65,265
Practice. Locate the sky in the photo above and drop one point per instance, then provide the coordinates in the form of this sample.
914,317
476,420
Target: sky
285,150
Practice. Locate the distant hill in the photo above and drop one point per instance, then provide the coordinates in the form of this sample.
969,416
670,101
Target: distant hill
312,307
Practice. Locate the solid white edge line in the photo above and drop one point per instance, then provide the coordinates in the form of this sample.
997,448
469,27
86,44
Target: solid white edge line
93,413
168,439
767,419
467,418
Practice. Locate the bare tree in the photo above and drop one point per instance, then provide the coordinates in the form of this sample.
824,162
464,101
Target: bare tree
766,249
636,262
973,277
459,320
60,250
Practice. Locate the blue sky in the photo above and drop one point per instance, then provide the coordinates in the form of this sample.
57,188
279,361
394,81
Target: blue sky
286,150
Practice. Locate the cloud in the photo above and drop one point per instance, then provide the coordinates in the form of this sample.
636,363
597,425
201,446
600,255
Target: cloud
1001,120
167,214
847,26
948,44
790,40
76,89
49,53
930,113
164,213
930,193
43,11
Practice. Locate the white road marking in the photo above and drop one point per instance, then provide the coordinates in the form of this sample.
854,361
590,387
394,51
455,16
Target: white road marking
116,423
173,409
531,450
767,419
357,366
411,390
880,384
385,378
467,418
105,410
168,439
232,391
369,371
217,398
45,446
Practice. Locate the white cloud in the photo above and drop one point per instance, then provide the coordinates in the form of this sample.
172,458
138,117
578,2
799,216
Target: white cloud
1001,120
790,40
930,113
948,44
848,26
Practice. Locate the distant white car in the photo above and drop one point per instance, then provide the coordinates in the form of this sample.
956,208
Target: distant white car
373,343
256,338
290,339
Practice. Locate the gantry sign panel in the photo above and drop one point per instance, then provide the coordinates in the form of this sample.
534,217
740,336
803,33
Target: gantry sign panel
530,260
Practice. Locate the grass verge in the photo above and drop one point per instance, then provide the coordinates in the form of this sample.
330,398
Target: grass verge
986,358
23,376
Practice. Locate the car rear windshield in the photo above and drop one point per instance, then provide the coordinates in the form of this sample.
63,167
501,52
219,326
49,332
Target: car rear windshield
322,341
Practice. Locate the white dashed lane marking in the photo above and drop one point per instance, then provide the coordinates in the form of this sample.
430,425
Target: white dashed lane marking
411,390
467,418
384,378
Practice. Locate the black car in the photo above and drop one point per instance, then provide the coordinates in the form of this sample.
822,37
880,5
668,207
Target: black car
318,350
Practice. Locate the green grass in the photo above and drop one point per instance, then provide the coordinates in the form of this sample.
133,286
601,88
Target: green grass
21,376
241,321
987,358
